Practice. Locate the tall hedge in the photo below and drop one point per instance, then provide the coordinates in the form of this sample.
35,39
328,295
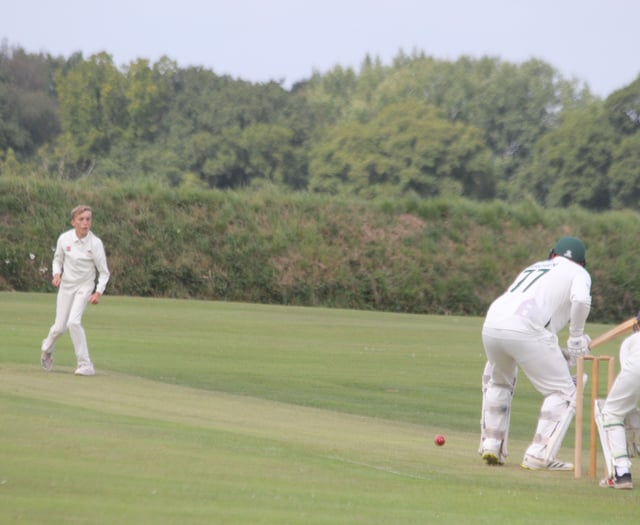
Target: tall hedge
405,255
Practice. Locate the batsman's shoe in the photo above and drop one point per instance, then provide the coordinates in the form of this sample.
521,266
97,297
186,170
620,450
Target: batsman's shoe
46,360
618,482
532,463
85,370
492,458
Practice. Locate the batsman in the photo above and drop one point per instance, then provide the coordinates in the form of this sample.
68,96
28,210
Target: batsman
520,333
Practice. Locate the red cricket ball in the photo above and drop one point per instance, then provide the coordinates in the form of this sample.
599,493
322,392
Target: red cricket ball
439,440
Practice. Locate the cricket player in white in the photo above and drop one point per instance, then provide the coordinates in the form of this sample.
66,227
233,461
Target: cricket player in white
520,332
617,417
77,255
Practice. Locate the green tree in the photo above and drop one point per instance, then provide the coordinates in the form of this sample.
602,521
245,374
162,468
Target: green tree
147,93
28,106
623,108
329,96
624,174
93,108
570,164
406,148
233,133
513,104
240,157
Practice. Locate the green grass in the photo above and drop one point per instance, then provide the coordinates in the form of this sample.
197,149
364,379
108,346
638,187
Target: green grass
207,412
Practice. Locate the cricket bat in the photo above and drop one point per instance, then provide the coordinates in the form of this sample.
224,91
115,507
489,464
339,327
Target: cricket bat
630,325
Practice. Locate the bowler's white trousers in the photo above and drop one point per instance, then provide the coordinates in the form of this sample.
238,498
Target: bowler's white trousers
70,305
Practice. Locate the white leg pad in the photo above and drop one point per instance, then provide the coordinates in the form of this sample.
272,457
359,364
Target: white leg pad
486,432
604,442
496,416
555,417
613,438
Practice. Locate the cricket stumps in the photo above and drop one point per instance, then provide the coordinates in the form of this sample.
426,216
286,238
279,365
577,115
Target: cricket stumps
593,431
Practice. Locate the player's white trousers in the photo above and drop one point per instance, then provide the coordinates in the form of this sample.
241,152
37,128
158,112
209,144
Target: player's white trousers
70,305
540,359
623,399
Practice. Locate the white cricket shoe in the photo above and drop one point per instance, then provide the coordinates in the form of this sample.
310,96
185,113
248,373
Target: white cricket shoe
532,463
85,370
46,359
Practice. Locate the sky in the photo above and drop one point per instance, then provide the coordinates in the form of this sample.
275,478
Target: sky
596,42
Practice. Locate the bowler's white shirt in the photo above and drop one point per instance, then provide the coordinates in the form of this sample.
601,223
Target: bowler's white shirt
78,259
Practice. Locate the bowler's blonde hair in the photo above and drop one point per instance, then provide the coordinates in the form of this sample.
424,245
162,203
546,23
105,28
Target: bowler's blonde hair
79,209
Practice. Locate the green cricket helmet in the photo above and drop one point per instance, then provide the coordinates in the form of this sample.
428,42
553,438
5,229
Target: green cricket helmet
571,248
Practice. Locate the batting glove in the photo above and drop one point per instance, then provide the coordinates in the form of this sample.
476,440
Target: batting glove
577,346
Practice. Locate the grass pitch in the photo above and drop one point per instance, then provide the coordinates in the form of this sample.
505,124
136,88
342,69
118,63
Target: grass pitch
205,412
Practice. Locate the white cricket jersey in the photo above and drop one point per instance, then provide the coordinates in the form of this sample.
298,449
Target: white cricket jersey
541,297
77,260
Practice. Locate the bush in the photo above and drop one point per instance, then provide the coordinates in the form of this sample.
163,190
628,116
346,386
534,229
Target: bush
445,256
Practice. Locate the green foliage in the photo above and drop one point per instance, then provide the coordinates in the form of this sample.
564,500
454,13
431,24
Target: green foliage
28,110
92,108
513,104
445,256
479,128
570,164
407,147
624,174
330,95
210,412
147,95
623,108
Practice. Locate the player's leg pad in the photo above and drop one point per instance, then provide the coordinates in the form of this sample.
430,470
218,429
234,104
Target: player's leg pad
555,416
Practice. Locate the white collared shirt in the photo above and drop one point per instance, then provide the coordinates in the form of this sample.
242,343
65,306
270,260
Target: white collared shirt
78,259
541,297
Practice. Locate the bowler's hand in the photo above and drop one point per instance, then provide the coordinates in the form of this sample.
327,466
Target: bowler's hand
56,280
95,298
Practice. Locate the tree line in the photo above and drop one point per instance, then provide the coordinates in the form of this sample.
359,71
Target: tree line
482,129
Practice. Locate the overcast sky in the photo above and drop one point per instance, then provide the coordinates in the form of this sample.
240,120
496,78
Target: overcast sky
595,41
